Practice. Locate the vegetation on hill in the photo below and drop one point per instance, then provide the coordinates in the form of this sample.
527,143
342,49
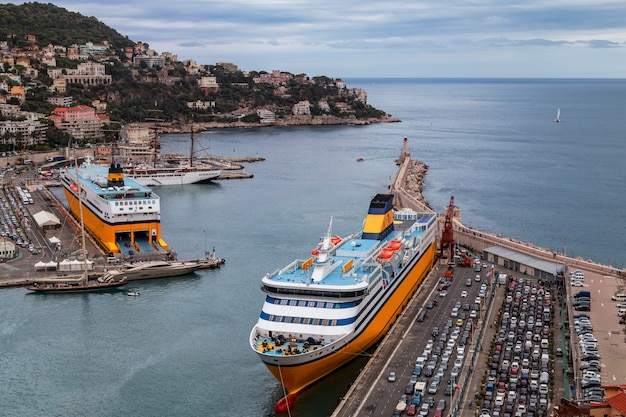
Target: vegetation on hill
54,25
142,92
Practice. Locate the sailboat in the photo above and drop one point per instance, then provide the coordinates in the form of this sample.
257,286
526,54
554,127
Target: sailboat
181,173
80,283
558,115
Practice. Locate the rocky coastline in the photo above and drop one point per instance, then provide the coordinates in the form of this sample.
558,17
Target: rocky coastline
301,120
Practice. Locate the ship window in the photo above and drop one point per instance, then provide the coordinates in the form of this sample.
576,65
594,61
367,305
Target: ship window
311,304
316,322
325,322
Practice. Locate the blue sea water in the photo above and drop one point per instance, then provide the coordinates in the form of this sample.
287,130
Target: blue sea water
181,348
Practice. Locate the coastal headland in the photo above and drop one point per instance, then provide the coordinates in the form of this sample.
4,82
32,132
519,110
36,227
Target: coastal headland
299,120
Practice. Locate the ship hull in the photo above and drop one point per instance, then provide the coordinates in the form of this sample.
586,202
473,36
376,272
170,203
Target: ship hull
174,177
295,377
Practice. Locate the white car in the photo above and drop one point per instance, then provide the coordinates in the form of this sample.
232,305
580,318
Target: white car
463,294
577,284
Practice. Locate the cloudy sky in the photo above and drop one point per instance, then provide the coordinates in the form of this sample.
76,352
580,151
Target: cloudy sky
395,38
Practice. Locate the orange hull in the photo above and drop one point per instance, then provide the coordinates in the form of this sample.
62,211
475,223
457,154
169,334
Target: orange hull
105,233
298,377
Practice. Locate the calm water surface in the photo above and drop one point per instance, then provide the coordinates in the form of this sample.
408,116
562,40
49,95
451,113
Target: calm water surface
181,348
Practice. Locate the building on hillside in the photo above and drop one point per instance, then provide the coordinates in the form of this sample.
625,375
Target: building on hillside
91,48
201,105
302,108
80,122
59,85
49,60
228,66
208,85
275,78
87,73
61,101
23,133
266,116
149,61
138,144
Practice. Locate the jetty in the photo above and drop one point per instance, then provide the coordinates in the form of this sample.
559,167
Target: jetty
372,394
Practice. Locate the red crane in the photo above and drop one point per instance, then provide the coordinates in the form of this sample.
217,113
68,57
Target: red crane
446,248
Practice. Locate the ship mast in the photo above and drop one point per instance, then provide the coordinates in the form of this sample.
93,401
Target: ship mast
191,151
85,276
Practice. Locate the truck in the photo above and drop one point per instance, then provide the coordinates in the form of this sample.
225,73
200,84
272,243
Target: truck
55,158
502,279
420,388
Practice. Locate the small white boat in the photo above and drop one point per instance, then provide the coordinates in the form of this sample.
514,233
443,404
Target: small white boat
133,293
558,115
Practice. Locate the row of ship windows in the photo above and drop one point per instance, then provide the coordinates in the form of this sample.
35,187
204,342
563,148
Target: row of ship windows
315,304
134,202
307,320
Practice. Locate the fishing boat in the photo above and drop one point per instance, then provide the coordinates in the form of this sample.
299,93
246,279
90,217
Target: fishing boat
83,283
180,172
323,311
558,115
123,216
155,269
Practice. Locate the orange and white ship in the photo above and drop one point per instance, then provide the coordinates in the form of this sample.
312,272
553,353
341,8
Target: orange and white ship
322,312
122,215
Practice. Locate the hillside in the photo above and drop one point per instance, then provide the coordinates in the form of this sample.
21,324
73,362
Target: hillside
145,85
54,25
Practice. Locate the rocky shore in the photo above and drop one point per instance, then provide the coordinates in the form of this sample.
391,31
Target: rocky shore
302,120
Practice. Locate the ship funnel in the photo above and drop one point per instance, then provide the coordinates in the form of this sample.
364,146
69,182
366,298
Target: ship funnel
379,220
116,176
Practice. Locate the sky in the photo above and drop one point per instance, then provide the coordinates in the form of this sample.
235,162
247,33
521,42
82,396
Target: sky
395,38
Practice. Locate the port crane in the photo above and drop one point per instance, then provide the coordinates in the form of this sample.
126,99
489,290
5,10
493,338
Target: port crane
446,247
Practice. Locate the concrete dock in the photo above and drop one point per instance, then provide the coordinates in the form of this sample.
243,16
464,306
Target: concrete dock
372,394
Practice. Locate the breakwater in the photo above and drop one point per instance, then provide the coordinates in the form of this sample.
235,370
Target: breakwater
408,186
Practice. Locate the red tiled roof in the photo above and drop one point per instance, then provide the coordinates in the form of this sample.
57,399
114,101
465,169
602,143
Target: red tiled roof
618,402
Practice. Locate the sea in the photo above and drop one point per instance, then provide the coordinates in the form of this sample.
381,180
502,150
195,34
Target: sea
182,347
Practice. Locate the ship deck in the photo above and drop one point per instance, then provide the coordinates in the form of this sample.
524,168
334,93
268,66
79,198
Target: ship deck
354,250
97,174
292,346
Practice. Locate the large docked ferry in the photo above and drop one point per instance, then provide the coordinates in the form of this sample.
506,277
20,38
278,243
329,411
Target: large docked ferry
124,216
321,312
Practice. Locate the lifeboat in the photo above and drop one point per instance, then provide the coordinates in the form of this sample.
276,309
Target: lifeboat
394,244
335,240
386,253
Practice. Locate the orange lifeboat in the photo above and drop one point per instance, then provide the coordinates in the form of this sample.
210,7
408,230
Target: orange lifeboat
335,240
386,253
394,244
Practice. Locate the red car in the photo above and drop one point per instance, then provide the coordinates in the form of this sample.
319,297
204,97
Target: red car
412,410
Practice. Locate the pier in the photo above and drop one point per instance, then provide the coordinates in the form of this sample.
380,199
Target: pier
371,394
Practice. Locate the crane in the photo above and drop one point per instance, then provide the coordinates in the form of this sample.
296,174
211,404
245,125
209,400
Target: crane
446,248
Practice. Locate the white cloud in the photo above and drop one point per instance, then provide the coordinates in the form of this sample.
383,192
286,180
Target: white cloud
420,38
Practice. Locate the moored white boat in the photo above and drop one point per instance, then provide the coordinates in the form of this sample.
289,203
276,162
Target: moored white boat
155,269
